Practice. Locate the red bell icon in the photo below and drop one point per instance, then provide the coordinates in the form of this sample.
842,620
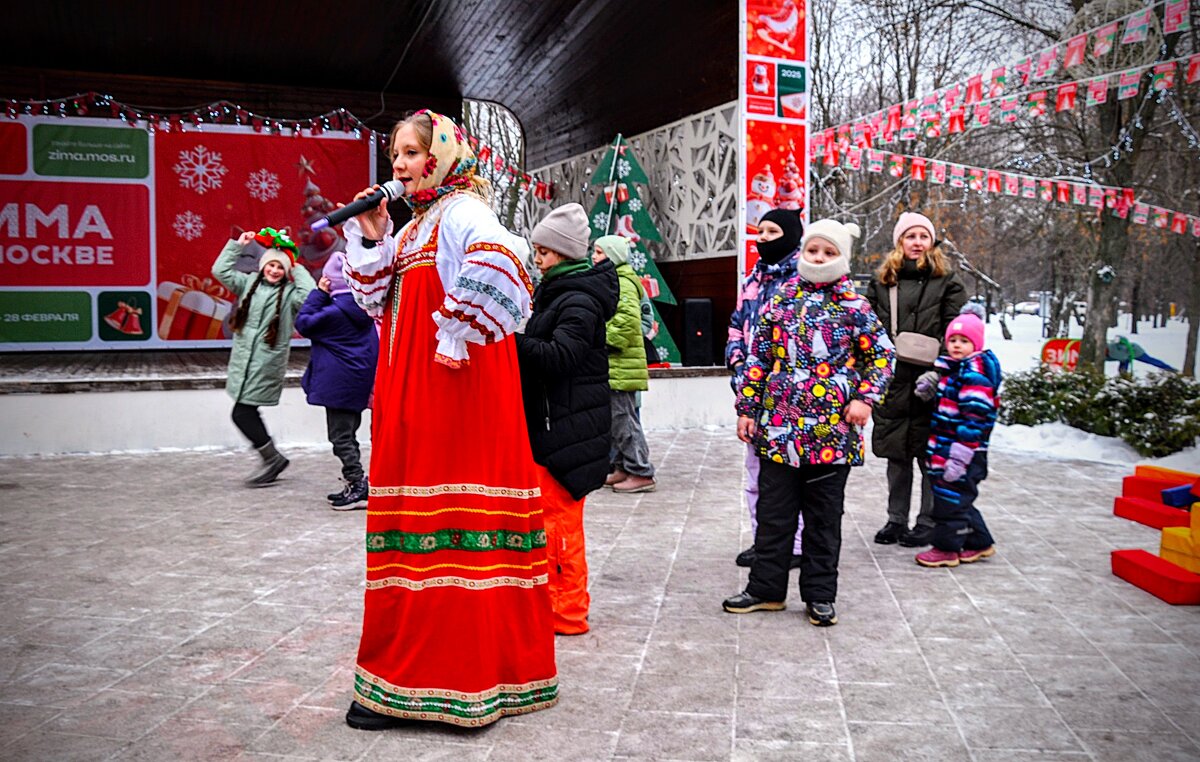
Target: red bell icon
125,319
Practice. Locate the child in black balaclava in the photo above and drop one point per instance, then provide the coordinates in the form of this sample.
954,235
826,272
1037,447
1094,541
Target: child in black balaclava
779,233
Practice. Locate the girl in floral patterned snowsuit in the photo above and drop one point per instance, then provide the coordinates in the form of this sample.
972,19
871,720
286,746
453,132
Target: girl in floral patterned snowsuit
819,360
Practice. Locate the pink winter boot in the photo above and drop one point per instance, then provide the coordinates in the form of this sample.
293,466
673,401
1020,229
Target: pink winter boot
934,557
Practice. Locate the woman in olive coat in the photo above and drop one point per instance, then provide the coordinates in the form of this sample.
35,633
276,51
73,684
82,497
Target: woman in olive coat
928,296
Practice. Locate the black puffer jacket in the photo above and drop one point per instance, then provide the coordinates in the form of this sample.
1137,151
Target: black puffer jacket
924,305
564,376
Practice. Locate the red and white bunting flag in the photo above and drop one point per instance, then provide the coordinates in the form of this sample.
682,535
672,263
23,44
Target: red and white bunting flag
1137,27
1196,226
1175,17
1158,216
974,89
1179,223
937,172
983,115
854,157
1008,110
1141,213
1127,84
1193,69
894,121
896,165
975,179
1097,91
1047,63
950,98
1024,68
1079,194
1037,103
1164,77
995,181
1096,196
843,137
957,120
918,168
875,161
1062,192
1076,51
958,176
1106,36
933,125
485,152
1064,97
1123,203
1045,190
999,78
1012,185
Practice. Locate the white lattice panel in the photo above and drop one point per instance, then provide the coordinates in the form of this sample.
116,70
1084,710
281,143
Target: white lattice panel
692,198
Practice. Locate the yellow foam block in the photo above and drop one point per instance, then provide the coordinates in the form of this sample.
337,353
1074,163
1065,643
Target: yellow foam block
1179,539
1195,519
1191,563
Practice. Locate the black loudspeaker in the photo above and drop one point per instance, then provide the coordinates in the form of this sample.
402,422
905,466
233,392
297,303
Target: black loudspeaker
697,332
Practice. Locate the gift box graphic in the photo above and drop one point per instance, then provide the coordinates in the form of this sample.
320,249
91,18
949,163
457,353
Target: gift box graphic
195,308
650,286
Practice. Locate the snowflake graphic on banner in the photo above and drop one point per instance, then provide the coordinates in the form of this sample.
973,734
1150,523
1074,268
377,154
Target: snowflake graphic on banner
635,204
263,185
637,260
600,221
189,226
200,169
624,168
664,354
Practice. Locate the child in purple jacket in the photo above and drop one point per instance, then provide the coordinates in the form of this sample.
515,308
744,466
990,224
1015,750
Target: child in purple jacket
340,372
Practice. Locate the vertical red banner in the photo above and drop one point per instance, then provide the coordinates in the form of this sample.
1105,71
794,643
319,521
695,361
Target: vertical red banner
773,138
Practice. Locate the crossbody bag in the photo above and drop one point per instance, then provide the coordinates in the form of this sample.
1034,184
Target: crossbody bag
912,347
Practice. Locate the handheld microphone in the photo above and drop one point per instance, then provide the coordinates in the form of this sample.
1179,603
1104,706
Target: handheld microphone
390,190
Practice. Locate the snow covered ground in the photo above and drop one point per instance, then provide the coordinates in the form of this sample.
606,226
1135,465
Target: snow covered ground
1057,440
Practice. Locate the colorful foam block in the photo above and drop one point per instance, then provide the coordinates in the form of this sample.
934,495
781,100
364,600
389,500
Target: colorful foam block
1166,474
1150,512
1145,487
1195,519
1182,560
1179,497
1159,577
1179,540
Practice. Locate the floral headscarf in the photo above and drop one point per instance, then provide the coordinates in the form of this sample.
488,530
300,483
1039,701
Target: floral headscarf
450,167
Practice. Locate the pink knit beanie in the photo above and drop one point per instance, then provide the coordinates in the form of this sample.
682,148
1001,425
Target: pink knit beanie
912,220
968,325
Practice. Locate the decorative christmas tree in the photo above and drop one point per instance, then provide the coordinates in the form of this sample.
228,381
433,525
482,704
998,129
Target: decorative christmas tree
619,210
316,247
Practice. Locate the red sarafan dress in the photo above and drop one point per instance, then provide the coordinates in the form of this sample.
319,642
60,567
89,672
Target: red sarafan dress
457,625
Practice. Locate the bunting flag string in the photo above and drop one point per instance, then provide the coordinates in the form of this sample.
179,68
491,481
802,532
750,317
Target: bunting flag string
902,119
1120,202
92,104
871,130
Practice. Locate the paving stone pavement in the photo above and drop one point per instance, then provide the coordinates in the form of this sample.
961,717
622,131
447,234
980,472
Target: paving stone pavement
152,608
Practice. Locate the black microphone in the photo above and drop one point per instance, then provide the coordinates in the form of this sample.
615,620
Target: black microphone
390,190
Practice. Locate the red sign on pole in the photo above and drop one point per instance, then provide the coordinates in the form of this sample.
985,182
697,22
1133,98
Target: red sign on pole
1061,354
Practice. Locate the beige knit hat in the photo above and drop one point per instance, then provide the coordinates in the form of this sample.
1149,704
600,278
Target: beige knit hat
565,231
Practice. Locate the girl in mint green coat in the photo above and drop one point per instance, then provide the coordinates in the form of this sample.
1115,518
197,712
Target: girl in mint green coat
262,330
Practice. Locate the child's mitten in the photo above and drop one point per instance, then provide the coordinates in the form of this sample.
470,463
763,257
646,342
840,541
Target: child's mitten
927,385
957,462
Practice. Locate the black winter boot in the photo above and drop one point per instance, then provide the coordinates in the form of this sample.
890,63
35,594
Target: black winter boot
273,465
354,497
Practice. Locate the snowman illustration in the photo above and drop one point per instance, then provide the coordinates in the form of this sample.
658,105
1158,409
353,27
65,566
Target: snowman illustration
761,198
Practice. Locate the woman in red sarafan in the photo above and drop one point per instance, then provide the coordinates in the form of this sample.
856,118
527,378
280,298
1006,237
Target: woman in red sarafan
457,623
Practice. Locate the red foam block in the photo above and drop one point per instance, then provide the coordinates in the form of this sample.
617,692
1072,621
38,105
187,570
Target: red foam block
1160,578
1149,512
1146,487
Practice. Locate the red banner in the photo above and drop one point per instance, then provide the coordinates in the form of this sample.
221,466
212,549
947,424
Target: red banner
74,234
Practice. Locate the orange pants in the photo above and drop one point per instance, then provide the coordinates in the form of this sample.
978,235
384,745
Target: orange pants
566,554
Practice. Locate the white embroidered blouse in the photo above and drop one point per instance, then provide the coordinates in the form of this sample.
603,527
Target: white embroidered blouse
479,261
